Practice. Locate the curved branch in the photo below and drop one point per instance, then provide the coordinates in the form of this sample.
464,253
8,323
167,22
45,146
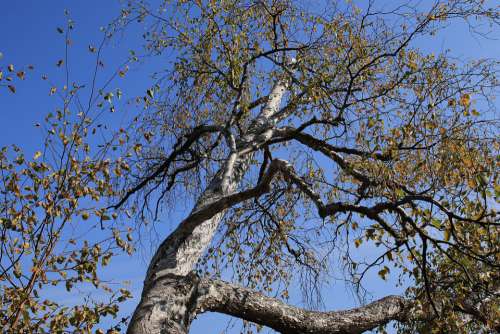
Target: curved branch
289,133
231,299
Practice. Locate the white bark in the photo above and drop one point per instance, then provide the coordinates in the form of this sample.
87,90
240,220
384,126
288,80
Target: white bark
219,296
164,305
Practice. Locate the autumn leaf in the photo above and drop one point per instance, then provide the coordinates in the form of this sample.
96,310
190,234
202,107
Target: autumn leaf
137,148
465,100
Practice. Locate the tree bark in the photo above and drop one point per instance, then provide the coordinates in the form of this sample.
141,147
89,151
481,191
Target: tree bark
206,295
223,297
166,305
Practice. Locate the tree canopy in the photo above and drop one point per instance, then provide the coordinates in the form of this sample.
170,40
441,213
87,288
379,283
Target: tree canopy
312,141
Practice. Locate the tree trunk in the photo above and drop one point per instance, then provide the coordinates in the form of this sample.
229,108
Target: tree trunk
166,304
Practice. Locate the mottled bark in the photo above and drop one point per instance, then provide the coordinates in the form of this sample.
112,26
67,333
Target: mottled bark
223,297
164,304
206,295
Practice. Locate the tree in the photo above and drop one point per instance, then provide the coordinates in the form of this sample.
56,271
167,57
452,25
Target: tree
306,134
399,141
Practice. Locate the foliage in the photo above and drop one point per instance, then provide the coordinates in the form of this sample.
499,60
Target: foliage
51,204
392,151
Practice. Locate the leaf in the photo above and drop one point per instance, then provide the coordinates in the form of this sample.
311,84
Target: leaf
12,88
371,122
37,155
60,30
436,223
122,72
150,93
465,100
52,91
447,235
21,75
383,272
108,97
137,148
10,68
358,242
148,136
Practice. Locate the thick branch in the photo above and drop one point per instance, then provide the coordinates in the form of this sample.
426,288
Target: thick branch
223,297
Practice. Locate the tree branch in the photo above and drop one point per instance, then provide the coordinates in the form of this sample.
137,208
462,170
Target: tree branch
227,298
179,148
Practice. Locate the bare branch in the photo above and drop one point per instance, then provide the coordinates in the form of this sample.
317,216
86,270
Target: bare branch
223,297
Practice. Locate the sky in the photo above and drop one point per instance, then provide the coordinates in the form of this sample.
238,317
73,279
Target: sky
28,35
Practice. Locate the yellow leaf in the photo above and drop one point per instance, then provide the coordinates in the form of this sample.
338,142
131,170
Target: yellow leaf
137,148
37,155
357,242
465,100
471,183
446,235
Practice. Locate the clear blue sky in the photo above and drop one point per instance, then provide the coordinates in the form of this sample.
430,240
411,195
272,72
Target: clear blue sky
28,36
